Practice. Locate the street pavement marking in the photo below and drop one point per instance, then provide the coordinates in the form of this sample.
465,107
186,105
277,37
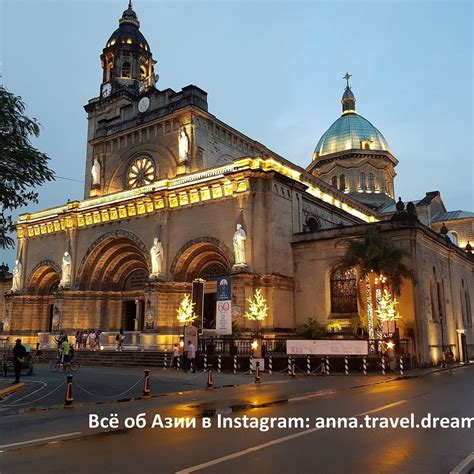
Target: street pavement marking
275,441
48,438
29,395
465,463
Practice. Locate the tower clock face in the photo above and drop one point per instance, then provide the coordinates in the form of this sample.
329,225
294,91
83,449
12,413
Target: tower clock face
106,90
143,104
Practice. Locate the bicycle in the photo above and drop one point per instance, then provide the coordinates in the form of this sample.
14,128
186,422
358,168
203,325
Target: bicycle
58,364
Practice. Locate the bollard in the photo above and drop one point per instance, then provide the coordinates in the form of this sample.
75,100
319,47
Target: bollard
209,376
68,399
293,373
346,365
219,366
401,365
270,365
146,383
289,365
364,365
250,364
257,372
383,365
205,363
323,366
235,364
178,363
166,360
327,365
308,365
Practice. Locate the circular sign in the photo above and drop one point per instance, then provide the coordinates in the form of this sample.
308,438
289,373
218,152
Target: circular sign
143,104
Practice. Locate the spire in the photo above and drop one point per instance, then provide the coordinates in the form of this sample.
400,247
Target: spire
348,100
129,16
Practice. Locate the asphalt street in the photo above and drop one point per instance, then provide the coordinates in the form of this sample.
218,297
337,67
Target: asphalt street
305,449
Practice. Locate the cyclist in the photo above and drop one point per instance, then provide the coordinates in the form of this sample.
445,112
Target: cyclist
66,350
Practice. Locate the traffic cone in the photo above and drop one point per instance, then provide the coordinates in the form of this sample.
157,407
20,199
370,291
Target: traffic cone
209,376
68,399
257,372
146,384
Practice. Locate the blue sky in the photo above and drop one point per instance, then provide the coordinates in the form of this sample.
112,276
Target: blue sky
273,70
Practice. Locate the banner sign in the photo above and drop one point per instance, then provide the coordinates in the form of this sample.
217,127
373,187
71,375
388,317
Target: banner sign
224,306
327,347
190,334
197,296
224,288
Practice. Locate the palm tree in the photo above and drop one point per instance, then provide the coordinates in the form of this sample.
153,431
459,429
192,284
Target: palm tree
376,259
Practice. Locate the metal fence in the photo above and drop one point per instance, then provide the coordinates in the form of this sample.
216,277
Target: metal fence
277,346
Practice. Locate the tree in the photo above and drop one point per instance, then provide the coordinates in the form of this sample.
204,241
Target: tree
185,311
379,263
310,329
258,308
22,167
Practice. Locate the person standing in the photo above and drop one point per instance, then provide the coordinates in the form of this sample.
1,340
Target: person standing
92,340
174,362
19,353
191,356
98,340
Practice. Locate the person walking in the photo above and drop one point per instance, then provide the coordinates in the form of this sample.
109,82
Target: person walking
19,353
174,362
98,339
191,357
120,338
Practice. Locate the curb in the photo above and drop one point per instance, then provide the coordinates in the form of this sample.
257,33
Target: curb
12,389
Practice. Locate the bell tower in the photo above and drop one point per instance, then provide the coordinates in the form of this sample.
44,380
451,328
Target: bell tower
127,62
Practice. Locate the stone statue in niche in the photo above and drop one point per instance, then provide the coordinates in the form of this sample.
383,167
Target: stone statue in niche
17,274
95,173
183,145
66,271
239,247
156,254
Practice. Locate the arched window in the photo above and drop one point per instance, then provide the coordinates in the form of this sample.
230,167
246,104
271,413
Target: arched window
343,292
367,146
312,224
433,299
334,181
143,74
468,307
342,182
453,236
126,70
371,182
362,182
110,71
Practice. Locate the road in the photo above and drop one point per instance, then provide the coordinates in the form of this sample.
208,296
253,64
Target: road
306,449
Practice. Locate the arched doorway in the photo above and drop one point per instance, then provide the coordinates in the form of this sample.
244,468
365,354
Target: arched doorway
44,281
205,258
117,262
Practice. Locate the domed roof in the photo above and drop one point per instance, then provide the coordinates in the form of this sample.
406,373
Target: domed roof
128,31
350,131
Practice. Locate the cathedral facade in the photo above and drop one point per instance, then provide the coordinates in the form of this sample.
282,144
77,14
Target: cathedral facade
173,196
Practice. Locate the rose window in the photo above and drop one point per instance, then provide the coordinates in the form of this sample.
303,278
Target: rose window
141,172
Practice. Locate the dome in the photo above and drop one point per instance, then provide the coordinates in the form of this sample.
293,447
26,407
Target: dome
350,131
128,31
